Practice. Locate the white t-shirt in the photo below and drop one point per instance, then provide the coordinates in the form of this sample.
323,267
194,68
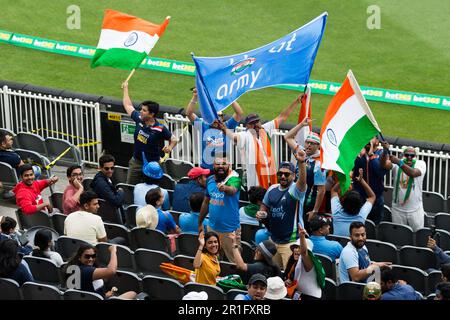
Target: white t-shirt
84,226
306,281
414,202
246,144
55,257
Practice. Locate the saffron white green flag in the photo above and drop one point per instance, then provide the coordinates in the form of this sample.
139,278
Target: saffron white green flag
347,127
125,40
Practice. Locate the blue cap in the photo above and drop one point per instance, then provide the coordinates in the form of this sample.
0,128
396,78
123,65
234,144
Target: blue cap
287,165
153,170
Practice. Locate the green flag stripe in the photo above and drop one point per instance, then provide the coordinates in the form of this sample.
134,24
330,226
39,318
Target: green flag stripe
117,58
354,140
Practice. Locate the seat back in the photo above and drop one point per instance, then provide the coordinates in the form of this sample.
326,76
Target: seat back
422,236
177,168
184,261
31,141
58,222
422,258
125,257
167,182
248,253
128,193
67,153
36,219
108,212
443,239
32,157
382,251
413,276
248,232
119,174
350,291
214,292
56,200
232,293
341,239
442,221
328,265
125,281
73,294
130,216
44,270
371,229
114,230
38,291
330,290
67,246
150,239
187,244
433,202
398,234
9,289
161,288
148,261
9,175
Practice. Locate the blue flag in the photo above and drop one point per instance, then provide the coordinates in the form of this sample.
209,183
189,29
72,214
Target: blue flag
288,60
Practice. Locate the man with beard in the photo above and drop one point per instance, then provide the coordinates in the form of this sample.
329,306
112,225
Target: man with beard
408,173
316,178
354,262
256,149
28,192
214,139
222,203
375,164
282,208
149,136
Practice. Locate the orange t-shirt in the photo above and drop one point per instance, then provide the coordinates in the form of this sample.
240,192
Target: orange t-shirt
208,271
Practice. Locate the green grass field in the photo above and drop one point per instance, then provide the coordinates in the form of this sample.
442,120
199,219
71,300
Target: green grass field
410,52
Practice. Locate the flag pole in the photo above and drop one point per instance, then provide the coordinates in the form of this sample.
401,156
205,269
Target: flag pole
130,75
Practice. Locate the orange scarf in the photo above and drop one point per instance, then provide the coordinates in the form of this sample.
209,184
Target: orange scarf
265,178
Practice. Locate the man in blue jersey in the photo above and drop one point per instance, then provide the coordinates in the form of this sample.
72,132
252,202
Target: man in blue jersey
222,204
213,138
282,207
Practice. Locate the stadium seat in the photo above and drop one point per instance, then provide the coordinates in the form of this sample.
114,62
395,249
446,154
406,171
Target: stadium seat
328,266
33,142
387,195
56,199
9,289
37,291
167,182
125,257
442,221
434,277
177,169
371,229
125,281
114,230
34,158
44,270
380,251
36,219
422,258
176,215
184,261
184,180
341,239
431,296
415,277
232,293
119,174
162,288
9,176
443,239
109,213
56,147
149,239
73,294
148,261
128,193
422,236
87,183
31,233
398,234
248,232
58,222
130,216
187,243
387,214
67,246
350,291
248,253
428,220
330,290
433,202
227,268
214,292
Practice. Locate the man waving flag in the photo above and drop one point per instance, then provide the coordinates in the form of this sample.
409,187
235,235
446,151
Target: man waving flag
347,127
289,60
125,40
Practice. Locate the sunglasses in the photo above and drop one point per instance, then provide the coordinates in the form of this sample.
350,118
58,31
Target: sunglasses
286,174
108,168
89,256
409,155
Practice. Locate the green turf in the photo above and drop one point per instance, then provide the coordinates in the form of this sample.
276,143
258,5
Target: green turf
411,52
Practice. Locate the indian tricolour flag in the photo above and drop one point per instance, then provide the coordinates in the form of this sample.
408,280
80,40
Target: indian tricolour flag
347,127
125,40
305,112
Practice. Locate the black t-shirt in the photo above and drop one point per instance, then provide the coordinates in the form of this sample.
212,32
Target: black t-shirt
87,273
10,157
260,267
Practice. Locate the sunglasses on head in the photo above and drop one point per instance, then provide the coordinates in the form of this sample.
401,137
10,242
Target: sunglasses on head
286,174
89,256
108,168
409,155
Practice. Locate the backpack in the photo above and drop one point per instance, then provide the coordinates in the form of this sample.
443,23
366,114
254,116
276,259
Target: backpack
232,281
320,271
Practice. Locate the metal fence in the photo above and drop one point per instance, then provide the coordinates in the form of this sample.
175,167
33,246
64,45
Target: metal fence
75,121
436,178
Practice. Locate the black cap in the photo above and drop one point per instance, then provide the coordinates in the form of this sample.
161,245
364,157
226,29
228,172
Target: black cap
287,165
318,222
252,117
257,277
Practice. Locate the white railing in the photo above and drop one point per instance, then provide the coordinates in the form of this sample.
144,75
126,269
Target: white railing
73,120
436,178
